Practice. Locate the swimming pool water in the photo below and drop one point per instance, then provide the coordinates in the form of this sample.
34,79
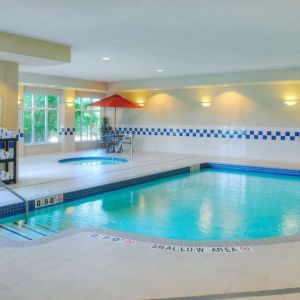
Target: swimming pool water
93,161
204,205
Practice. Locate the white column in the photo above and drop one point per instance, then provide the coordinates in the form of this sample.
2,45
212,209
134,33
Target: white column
21,119
9,76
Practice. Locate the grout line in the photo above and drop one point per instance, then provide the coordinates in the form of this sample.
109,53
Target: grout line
228,296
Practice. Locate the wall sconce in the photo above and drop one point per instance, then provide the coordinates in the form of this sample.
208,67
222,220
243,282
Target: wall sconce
206,102
70,104
20,101
290,101
141,103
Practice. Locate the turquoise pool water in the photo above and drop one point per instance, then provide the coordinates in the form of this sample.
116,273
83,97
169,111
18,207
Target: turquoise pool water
93,161
205,205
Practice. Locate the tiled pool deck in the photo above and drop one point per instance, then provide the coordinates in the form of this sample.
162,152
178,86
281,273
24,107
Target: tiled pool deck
73,265
42,174
76,266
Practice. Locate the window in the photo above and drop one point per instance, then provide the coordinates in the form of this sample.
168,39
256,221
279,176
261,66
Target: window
87,120
40,118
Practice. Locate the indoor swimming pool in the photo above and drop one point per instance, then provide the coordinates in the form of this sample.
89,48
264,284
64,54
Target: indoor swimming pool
210,204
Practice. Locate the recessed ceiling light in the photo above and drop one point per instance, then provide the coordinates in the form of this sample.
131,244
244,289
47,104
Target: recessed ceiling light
106,58
160,70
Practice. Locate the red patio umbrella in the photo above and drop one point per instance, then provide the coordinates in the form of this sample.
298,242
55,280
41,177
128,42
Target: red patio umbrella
115,101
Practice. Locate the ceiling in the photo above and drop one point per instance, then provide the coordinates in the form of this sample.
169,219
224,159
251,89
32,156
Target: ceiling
183,37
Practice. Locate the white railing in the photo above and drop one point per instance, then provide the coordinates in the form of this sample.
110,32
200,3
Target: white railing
126,136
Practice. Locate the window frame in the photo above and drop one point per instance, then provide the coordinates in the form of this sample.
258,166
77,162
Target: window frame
46,109
90,110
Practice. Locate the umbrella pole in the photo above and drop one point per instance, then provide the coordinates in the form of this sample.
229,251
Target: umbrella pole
115,117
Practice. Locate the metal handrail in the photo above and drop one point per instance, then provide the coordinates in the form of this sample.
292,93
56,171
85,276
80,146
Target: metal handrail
19,196
120,144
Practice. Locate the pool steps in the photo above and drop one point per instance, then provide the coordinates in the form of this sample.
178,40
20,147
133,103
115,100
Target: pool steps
23,232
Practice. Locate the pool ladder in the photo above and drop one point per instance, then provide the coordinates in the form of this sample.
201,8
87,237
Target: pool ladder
18,196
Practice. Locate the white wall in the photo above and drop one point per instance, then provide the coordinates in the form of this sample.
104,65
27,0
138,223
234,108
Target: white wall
86,145
257,107
42,148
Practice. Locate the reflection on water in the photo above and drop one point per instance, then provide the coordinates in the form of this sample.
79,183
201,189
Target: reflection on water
93,161
205,216
206,205
96,163
290,223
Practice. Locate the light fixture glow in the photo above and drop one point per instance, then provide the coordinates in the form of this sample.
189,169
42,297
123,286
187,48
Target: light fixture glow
160,70
226,85
106,58
205,104
140,102
290,102
70,210
70,104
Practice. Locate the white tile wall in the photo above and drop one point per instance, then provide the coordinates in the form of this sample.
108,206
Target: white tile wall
283,150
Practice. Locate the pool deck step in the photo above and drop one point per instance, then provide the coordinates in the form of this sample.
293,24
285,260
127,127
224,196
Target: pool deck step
24,232
12,234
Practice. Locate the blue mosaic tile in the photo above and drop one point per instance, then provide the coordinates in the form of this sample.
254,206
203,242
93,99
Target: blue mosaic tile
259,134
67,131
275,171
120,185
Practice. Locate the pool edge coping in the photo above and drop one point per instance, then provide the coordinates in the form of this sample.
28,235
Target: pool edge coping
6,242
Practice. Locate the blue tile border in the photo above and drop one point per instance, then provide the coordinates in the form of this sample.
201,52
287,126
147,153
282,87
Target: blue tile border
67,131
255,169
224,132
11,210
19,208
283,135
71,196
